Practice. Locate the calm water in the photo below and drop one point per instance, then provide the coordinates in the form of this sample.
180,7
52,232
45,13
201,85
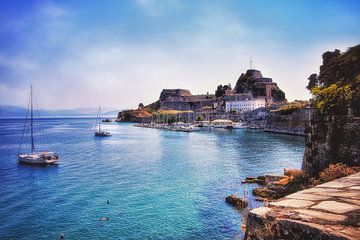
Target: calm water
160,184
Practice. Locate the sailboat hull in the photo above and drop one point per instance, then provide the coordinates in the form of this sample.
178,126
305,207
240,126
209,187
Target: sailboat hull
102,134
43,158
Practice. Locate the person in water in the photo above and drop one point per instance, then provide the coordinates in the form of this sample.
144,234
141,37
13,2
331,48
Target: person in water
61,237
104,219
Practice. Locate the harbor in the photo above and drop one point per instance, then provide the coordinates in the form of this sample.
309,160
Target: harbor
196,126
180,120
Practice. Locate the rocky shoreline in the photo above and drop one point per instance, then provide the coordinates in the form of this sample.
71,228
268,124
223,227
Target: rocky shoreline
328,211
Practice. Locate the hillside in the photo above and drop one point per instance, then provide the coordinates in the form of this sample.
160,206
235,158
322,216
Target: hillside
253,82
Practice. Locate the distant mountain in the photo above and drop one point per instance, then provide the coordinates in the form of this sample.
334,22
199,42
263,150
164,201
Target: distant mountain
13,111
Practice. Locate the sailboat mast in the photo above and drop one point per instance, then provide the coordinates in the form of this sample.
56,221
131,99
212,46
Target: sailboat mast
31,121
99,117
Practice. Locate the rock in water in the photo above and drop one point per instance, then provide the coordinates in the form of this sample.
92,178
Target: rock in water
236,201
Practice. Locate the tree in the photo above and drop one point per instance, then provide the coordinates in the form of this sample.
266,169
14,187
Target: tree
333,99
141,106
221,90
313,81
337,87
200,118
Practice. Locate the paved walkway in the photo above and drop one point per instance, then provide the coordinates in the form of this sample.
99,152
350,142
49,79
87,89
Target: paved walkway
330,210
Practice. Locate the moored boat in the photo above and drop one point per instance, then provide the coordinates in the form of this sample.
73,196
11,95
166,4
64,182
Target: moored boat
97,130
222,123
39,158
35,157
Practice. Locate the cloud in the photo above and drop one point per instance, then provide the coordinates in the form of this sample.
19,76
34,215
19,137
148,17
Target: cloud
52,11
74,66
13,63
156,8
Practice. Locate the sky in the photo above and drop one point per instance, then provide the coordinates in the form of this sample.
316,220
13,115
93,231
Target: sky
120,53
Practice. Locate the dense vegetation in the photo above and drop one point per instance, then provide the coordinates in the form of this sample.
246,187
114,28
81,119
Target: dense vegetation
246,84
221,90
337,87
153,107
291,107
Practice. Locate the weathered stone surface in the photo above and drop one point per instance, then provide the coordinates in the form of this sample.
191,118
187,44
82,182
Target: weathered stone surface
293,203
353,177
352,201
320,190
317,213
335,207
307,196
236,201
337,194
261,211
336,184
331,139
322,215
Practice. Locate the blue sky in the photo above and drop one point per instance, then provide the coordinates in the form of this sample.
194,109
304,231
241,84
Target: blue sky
120,53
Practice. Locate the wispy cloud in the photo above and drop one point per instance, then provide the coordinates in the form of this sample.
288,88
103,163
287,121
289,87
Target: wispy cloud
172,44
52,11
156,8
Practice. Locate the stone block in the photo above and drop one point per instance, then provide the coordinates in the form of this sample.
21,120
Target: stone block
322,215
292,203
261,212
336,184
307,196
336,207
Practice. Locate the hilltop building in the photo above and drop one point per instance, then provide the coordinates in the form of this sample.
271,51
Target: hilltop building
251,91
182,99
243,103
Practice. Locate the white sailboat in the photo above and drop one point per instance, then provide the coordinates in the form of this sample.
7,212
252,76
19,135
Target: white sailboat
35,157
97,130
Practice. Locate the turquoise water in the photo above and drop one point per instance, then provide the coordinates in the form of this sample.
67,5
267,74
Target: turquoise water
160,184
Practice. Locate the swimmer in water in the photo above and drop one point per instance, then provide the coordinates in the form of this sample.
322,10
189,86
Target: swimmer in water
62,237
104,219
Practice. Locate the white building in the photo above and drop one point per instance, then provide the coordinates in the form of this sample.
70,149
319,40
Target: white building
243,103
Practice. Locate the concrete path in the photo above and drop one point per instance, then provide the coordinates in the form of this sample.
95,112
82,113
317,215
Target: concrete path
327,211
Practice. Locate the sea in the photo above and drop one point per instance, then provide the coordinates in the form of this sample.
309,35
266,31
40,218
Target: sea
147,183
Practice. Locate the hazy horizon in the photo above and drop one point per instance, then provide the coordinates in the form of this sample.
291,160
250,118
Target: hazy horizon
80,54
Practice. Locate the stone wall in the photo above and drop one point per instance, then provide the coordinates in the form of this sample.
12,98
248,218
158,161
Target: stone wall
173,94
175,105
293,123
331,139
